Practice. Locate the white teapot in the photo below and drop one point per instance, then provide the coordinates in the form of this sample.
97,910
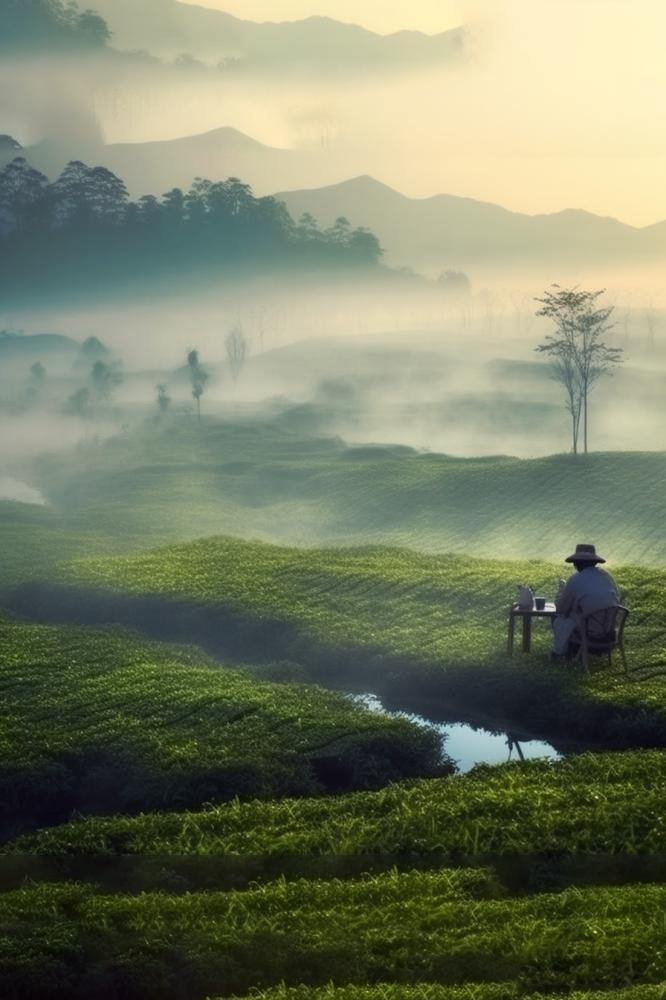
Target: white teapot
525,598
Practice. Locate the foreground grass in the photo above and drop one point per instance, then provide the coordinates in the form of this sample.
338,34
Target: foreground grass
433,991
105,721
390,600
595,803
444,927
408,625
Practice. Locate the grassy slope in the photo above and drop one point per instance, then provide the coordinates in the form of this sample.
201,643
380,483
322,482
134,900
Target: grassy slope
594,803
389,609
102,721
266,481
447,927
34,540
400,622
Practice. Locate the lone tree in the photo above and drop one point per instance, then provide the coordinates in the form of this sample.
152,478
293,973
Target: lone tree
104,379
238,348
163,398
577,352
198,378
454,282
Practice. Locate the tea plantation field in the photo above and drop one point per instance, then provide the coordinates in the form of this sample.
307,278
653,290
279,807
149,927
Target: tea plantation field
422,630
604,804
264,479
105,721
448,927
117,747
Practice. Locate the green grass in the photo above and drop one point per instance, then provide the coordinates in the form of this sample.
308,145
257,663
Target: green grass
34,541
395,621
433,991
447,927
607,804
101,721
264,480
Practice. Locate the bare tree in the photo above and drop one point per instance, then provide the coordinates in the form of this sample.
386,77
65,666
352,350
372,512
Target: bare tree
578,355
238,347
198,378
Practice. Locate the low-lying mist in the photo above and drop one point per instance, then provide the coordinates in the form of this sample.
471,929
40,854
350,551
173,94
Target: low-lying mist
410,366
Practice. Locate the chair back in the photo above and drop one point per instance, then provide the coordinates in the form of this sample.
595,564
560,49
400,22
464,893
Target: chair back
602,631
604,628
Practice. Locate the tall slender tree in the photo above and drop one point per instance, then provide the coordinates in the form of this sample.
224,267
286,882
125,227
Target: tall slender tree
198,378
578,354
237,346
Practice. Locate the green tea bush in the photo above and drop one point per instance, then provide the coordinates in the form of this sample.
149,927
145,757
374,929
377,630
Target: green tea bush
415,627
101,721
603,804
450,928
433,991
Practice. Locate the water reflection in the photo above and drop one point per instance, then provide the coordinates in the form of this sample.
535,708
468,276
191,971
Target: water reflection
467,745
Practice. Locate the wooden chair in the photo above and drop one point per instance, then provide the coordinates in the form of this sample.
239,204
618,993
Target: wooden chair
600,632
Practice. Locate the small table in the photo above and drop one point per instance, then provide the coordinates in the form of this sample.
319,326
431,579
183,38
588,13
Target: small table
527,614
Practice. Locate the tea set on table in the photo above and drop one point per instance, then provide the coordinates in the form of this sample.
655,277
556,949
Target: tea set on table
528,601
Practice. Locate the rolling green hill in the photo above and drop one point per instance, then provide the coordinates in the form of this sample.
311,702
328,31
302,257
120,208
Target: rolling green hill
105,721
281,484
592,804
421,630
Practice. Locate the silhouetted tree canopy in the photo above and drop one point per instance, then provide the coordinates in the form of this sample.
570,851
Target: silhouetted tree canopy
86,217
52,23
454,282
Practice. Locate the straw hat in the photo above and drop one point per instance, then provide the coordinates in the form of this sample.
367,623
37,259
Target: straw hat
585,553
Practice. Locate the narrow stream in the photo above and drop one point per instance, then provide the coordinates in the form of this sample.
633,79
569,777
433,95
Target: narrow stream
465,744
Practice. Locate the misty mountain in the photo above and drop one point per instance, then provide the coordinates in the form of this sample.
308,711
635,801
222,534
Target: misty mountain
167,28
9,147
445,230
159,166
33,347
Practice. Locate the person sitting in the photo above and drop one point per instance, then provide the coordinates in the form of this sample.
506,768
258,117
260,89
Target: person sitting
589,589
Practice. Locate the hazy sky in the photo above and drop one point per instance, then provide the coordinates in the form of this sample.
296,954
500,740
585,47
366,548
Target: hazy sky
560,103
382,16
557,104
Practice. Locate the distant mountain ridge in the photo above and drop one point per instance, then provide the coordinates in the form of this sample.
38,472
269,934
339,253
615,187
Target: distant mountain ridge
167,28
445,230
156,167
427,234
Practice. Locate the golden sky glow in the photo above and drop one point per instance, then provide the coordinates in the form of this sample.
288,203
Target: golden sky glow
559,103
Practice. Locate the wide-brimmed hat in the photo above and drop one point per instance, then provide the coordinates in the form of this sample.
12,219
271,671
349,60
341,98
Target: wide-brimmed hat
585,553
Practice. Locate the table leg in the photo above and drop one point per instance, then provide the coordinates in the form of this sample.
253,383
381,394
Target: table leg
527,633
512,625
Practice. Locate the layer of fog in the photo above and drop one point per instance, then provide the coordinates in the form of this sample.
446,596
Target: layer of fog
396,367
13,489
515,122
